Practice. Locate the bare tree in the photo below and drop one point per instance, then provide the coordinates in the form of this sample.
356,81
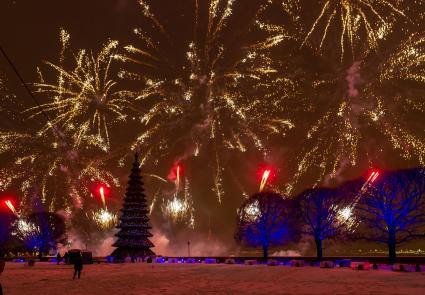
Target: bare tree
42,231
6,222
393,211
325,215
265,220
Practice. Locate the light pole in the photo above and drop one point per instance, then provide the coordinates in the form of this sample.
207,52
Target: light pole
188,248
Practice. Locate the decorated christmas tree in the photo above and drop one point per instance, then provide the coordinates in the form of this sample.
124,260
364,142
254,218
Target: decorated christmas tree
133,235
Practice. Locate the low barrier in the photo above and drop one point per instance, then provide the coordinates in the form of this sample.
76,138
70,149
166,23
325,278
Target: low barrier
281,260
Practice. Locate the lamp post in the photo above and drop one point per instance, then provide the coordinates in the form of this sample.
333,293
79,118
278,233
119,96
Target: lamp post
188,248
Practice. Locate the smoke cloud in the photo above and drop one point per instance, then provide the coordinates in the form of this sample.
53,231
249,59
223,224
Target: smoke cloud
198,247
287,253
354,79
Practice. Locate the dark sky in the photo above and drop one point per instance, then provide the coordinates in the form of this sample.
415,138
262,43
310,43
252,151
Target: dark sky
30,29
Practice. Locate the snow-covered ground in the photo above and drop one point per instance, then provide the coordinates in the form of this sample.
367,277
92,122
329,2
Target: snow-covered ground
105,279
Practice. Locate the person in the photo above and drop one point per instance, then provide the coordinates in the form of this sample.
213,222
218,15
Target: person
58,258
2,265
78,265
66,258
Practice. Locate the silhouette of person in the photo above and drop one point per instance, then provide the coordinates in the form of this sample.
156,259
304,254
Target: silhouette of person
78,265
58,258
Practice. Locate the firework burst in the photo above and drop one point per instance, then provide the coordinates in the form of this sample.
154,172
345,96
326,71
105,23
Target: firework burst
354,22
84,100
26,230
104,219
179,209
399,100
46,163
47,172
205,89
381,99
252,212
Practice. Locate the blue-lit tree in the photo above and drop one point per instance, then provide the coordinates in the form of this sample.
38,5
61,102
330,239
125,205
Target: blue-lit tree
42,231
6,221
265,220
322,211
393,211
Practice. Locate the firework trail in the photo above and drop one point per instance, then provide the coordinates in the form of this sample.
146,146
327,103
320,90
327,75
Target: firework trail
264,179
345,215
371,179
102,195
356,23
194,83
84,101
12,208
178,178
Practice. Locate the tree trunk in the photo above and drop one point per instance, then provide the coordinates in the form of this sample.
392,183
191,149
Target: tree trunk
392,255
265,252
319,249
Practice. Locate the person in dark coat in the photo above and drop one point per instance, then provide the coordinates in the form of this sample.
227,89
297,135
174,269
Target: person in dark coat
58,258
2,265
78,265
66,258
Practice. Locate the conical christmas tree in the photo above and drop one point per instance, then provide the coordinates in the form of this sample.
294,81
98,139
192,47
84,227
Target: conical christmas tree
133,235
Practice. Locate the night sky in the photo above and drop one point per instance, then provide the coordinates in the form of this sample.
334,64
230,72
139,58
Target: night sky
266,86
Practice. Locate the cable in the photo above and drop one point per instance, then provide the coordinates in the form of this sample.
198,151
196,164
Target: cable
25,85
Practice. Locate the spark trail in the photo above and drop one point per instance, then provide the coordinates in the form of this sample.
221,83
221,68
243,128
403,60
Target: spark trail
11,207
264,179
355,22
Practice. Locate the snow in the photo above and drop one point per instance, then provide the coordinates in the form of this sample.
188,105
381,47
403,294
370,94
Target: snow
140,278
